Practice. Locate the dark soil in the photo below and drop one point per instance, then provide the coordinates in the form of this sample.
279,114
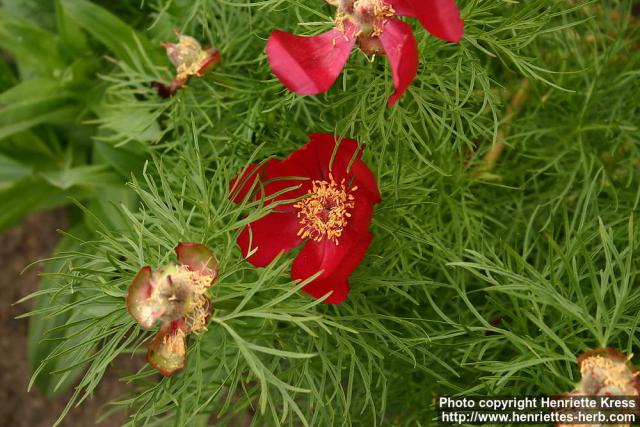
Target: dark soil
33,239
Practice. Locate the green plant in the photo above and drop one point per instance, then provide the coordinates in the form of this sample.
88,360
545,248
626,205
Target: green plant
481,279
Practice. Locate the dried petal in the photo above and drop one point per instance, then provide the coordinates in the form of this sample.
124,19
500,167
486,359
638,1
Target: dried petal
164,295
198,258
209,62
189,58
140,290
167,350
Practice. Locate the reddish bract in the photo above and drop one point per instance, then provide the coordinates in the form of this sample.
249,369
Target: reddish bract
325,204
310,65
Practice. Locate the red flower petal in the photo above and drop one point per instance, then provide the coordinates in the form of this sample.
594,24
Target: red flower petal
269,236
139,291
402,7
402,51
321,149
336,261
361,214
310,65
440,17
310,162
198,258
366,182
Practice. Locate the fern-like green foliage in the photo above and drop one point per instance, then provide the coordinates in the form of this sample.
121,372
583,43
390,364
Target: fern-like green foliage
480,280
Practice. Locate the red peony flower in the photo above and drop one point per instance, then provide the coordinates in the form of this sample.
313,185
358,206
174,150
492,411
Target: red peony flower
331,217
310,65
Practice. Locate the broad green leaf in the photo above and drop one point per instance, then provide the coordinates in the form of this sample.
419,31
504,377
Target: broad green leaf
84,176
108,29
104,208
34,194
32,103
27,43
29,148
131,121
71,36
7,76
38,11
126,160
11,170
22,197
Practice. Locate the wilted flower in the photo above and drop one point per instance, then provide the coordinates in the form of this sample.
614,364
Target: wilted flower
173,296
605,372
190,60
331,219
310,65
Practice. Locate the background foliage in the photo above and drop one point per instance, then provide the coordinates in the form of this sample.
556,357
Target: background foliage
483,277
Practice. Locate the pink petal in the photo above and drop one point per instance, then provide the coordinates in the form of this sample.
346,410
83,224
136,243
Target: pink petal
198,258
440,17
310,65
402,51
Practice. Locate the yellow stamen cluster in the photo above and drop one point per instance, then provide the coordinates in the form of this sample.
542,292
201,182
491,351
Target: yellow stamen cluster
174,343
369,15
325,212
197,318
615,373
194,280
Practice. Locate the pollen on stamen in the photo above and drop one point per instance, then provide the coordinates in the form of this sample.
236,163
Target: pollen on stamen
325,212
369,15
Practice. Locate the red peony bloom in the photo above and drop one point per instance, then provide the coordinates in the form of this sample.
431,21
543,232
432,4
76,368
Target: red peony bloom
310,65
331,217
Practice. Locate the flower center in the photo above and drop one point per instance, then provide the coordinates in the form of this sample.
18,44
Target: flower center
326,211
369,15
607,374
